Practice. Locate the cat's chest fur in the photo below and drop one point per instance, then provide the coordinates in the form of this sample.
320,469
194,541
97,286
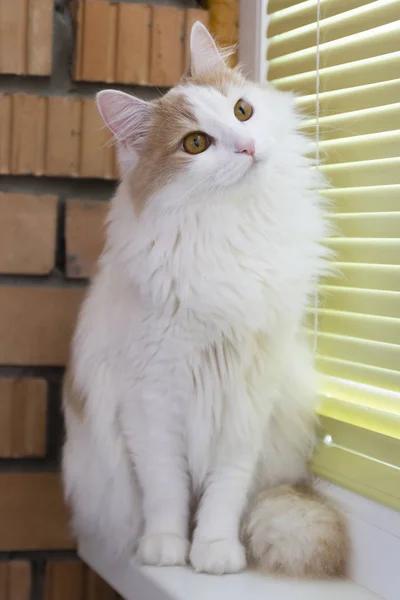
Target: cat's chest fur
243,267
219,294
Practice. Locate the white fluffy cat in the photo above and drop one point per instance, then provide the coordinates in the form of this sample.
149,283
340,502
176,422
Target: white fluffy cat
190,400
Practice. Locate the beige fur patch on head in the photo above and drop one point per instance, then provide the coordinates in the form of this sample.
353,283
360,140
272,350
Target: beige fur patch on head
162,158
172,118
221,78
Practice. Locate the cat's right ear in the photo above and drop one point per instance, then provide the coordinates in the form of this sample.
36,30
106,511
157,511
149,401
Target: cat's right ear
204,54
126,116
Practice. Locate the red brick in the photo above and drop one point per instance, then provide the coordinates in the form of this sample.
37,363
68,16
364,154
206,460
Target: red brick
5,133
33,515
40,37
63,136
23,406
54,136
13,39
36,324
15,580
167,53
133,50
69,579
27,233
96,41
64,580
26,35
28,134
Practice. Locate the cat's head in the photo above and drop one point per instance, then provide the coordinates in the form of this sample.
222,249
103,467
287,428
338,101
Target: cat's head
206,134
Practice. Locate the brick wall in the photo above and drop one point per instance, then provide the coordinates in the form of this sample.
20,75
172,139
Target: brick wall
57,171
224,20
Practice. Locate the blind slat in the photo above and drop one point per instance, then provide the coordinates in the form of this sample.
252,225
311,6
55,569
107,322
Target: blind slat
357,122
305,13
365,173
370,327
364,415
373,397
375,354
351,99
370,408
368,302
383,198
350,22
352,48
366,276
376,251
368,225
365,147
367,374
362,72
274,5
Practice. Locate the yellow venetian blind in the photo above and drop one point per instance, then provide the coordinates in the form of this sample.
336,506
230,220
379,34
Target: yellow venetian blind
342,58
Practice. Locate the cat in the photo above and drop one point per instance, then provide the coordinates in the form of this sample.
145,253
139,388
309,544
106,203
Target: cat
190,396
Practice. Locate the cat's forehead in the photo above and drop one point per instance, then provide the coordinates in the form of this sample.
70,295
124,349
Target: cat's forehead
208,101
210,93
222,80
211,98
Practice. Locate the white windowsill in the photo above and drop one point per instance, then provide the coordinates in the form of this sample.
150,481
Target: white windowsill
152,583
374,568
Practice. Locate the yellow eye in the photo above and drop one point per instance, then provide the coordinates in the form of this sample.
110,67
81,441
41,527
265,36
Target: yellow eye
196,142
243,110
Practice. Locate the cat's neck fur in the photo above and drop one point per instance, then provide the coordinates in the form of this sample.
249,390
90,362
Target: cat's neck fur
237,229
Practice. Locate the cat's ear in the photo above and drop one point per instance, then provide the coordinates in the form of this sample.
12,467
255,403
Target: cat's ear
128,118
204,54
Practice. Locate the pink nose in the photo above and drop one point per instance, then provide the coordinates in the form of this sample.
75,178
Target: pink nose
246,148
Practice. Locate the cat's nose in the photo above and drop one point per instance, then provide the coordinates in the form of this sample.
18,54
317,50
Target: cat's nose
246,148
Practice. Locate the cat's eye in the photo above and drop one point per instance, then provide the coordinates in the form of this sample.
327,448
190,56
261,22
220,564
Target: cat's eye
196,142
243,110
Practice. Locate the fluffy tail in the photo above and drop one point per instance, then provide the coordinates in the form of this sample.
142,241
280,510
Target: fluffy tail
292,530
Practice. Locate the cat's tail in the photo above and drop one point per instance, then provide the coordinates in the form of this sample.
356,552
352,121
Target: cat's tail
293,531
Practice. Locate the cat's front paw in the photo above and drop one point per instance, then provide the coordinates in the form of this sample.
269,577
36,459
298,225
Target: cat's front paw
163,550
218,556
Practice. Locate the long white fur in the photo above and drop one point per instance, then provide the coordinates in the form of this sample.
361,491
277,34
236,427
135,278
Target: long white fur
198,383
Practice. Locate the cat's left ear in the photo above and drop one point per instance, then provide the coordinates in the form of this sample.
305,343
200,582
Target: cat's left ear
204,54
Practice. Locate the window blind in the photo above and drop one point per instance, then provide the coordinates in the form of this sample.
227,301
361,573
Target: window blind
342,59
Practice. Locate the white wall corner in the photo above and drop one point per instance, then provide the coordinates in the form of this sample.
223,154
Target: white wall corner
253,23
